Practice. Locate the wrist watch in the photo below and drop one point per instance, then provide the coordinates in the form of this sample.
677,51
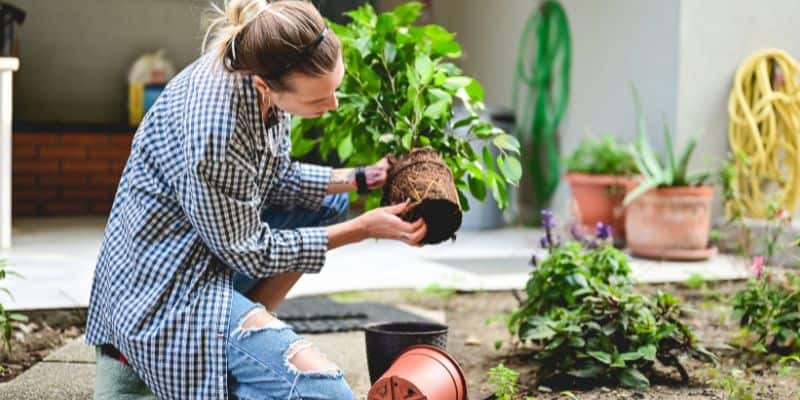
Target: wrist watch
361,181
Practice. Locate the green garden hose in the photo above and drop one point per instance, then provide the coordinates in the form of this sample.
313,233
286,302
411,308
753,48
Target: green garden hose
541,92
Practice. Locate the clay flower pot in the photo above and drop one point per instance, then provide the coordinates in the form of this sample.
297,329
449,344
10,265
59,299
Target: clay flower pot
424,177
421,372
671,223
598,198
386,340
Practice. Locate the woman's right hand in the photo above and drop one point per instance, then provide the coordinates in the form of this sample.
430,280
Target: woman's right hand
384,223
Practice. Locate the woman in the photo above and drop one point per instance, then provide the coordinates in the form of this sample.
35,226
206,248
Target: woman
212,223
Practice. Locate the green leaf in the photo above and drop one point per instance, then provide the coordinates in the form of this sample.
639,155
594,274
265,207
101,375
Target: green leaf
601,356
477,187
437,110
539,333
648,352
487,158
303,146
457,82
618,362
385,24
640,190
507,142
632,378
465,121
406,140
474,90
424,68
389,52
671,162
407,13
683,163
631,356
511,168
345,148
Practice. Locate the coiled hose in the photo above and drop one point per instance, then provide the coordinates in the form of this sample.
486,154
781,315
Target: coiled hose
541,92
764,134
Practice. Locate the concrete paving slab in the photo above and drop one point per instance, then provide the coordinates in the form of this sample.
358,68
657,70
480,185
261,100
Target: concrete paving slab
52,380
76,351
57,256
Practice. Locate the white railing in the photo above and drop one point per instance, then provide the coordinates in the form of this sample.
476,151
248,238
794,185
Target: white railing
7,67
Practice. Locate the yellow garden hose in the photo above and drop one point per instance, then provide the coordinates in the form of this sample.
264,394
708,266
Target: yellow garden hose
764,134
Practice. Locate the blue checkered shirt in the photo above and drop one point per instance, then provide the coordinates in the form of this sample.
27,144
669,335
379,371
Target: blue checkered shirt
186,215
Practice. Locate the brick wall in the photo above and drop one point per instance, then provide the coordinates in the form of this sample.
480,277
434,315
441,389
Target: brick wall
67,173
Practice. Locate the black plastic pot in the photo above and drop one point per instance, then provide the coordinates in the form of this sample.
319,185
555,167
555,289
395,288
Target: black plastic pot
386,340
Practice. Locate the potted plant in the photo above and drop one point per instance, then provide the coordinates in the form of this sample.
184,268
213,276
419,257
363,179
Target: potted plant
599,171
668,214
397,98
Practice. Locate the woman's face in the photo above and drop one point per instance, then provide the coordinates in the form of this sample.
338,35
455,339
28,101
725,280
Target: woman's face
309,96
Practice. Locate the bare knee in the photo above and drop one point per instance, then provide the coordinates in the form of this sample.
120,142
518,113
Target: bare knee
303,356
255,320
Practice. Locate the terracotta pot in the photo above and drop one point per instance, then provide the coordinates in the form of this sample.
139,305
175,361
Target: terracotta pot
598,198
421,373
386,340
671,223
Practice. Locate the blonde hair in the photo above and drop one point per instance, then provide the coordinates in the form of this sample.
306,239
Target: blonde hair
272,39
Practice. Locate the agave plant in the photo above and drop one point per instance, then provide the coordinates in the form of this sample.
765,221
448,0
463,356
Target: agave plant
657,173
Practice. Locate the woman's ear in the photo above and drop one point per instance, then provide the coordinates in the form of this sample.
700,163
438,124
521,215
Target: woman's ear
261,85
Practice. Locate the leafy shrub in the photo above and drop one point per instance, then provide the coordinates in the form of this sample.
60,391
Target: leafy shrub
589,326
768,311
601,156
398,93
7,318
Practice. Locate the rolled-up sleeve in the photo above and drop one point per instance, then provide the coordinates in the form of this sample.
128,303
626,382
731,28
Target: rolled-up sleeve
301,184
222,202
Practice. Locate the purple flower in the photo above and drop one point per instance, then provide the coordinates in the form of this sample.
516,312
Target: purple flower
548,220
544,242
603,230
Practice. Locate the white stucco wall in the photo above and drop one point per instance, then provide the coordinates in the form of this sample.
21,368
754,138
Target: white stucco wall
75,54
716,37
615,43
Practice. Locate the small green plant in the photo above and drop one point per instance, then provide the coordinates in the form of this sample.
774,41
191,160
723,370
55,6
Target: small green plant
601,156
503,381
7,318
768,311
587,324
398,94
673,172
736,384
437,290
695,281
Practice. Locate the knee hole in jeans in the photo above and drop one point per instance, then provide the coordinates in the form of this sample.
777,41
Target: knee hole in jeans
302,356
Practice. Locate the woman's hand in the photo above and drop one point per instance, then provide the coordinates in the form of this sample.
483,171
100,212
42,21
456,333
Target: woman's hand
380,223
376,173
384,223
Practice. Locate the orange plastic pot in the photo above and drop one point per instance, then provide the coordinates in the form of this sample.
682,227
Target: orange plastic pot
421,372
671,223
598,198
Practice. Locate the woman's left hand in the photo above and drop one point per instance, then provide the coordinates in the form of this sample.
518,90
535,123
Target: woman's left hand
376,173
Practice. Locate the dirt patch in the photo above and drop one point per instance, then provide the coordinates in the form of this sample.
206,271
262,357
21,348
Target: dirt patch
475,331
32,341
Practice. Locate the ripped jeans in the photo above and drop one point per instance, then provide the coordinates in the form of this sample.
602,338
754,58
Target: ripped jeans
259,364
259,358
